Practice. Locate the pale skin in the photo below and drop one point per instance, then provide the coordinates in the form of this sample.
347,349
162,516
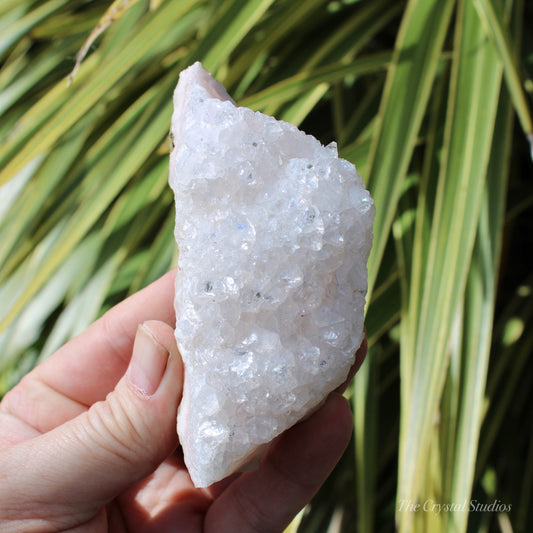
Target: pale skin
88,441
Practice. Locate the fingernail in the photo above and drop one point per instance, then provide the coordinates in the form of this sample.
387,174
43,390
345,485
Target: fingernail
148,362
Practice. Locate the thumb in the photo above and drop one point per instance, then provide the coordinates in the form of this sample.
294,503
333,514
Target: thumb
86,462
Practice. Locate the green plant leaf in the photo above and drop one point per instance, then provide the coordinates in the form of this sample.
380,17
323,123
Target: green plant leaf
499,34
433,299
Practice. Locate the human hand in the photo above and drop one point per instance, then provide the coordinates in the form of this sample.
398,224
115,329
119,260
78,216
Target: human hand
88,439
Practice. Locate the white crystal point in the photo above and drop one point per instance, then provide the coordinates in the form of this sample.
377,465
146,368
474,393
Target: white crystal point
274,231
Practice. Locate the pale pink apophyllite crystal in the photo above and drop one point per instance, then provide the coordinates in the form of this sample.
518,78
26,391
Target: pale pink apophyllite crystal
274,231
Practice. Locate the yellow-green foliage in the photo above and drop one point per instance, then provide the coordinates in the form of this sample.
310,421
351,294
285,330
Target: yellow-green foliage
426,97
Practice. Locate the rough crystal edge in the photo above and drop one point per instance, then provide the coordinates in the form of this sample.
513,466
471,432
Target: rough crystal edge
216,90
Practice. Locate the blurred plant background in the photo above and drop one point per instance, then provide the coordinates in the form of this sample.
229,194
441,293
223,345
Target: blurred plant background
429,98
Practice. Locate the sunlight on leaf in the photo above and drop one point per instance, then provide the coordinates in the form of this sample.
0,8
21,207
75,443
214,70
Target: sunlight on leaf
113,13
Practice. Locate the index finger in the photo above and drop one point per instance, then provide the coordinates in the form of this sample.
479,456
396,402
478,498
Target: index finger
291,472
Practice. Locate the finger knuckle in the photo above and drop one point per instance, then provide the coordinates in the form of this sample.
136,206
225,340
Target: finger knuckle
115,429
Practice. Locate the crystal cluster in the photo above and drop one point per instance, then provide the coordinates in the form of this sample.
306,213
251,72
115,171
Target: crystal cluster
274,231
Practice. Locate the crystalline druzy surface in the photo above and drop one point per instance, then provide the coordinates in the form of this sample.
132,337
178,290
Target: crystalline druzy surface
274,231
